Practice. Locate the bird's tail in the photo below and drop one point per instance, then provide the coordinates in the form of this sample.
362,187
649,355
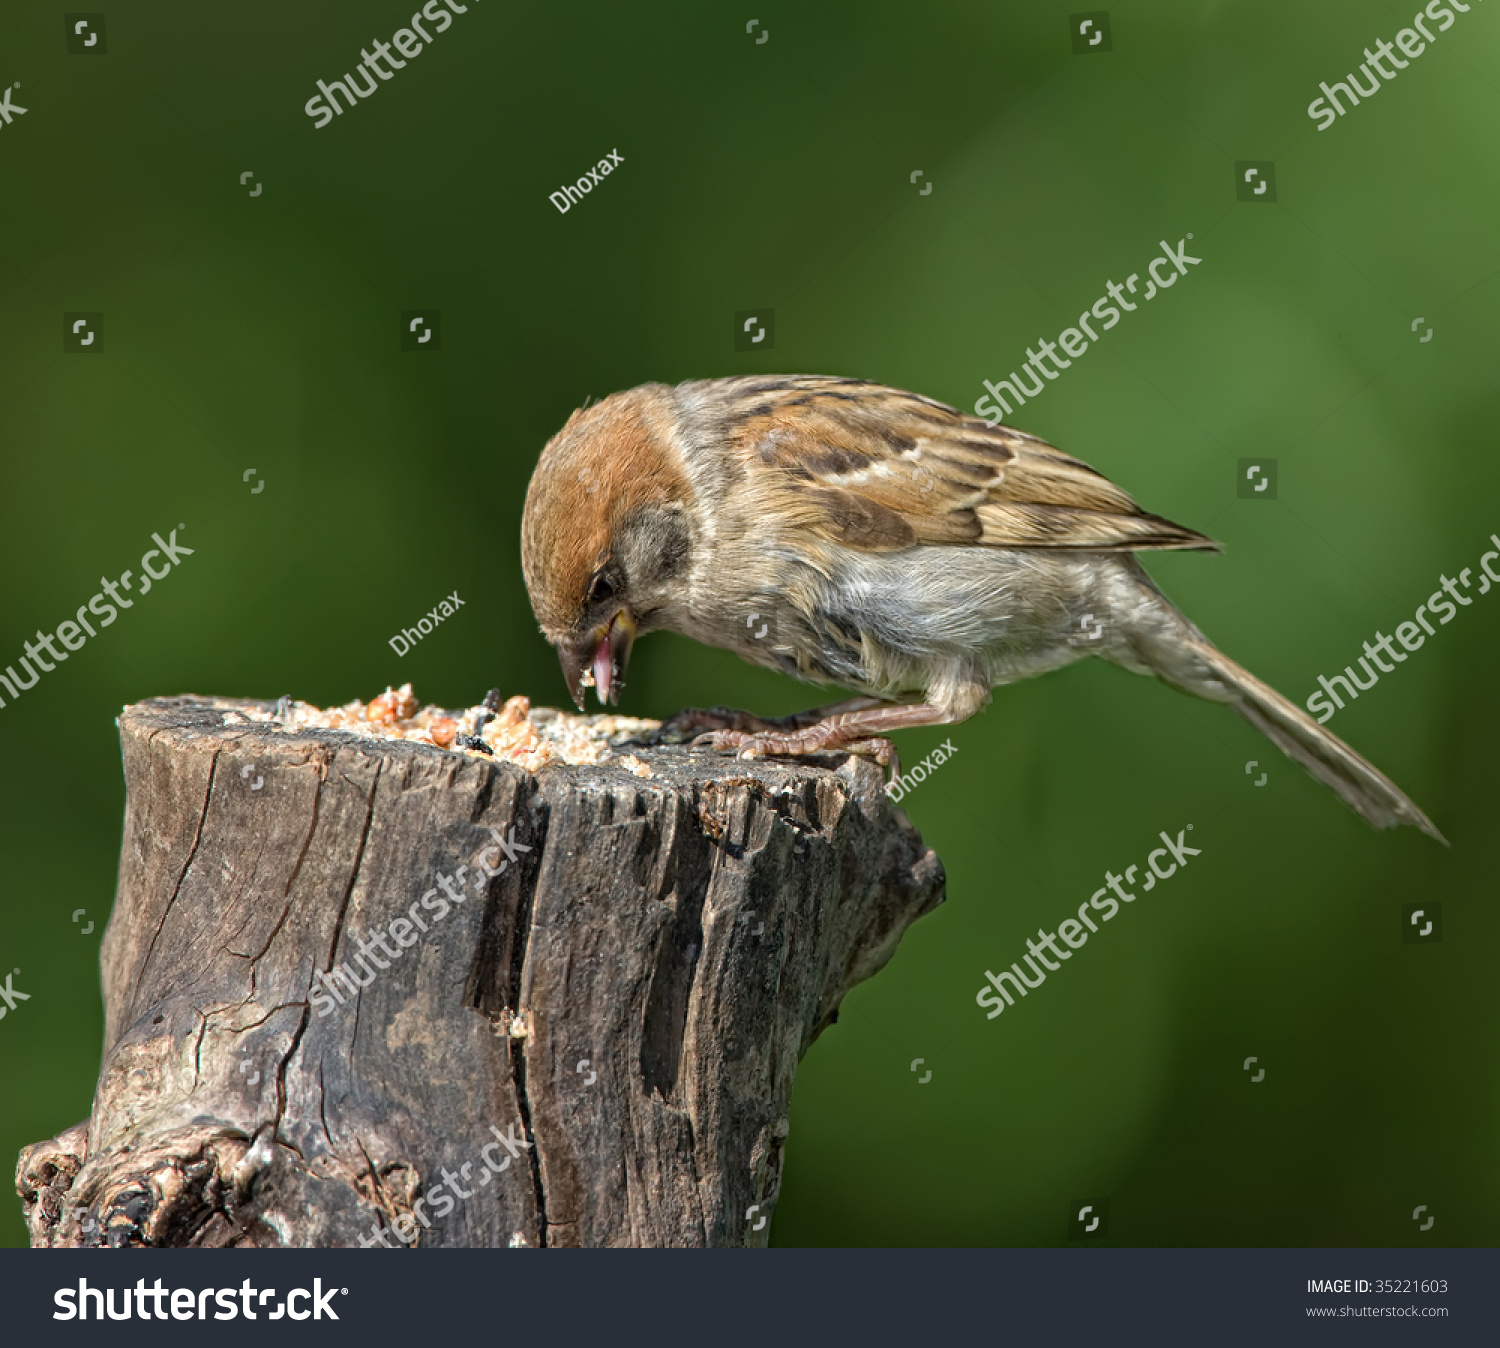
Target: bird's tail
1164,642
1376,798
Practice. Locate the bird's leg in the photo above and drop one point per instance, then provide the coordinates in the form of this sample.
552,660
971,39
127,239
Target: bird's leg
861,731
744,722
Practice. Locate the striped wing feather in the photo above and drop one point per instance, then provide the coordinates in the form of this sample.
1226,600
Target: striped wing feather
873,467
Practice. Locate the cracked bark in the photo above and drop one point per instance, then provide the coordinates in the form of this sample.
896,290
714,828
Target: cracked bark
626,1002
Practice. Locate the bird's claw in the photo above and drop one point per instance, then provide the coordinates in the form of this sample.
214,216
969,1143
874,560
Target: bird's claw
814,740
728,739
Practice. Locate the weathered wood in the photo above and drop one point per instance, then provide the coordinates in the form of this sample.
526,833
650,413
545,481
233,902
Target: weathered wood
596,1042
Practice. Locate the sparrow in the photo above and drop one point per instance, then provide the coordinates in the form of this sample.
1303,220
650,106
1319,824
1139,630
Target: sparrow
852,534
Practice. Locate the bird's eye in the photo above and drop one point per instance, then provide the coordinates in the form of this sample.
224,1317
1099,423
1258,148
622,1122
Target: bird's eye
600,589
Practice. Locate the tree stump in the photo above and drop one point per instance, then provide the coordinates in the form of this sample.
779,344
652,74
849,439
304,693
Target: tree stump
598,981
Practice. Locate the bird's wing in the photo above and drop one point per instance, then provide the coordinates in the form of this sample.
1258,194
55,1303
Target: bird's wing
873,467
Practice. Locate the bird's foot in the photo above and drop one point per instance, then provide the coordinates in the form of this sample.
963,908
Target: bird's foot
746,723
824,737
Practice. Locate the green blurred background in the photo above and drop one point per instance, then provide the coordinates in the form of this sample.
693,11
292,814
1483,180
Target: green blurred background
261,332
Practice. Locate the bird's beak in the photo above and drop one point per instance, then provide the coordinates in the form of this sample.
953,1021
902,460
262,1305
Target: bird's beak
604,655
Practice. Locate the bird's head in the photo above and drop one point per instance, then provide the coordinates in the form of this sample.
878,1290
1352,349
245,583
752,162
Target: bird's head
605,536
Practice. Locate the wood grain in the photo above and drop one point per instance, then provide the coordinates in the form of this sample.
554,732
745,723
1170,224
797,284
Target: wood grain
596,1045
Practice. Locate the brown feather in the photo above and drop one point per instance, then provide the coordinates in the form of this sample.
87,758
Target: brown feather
603,466
875,468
